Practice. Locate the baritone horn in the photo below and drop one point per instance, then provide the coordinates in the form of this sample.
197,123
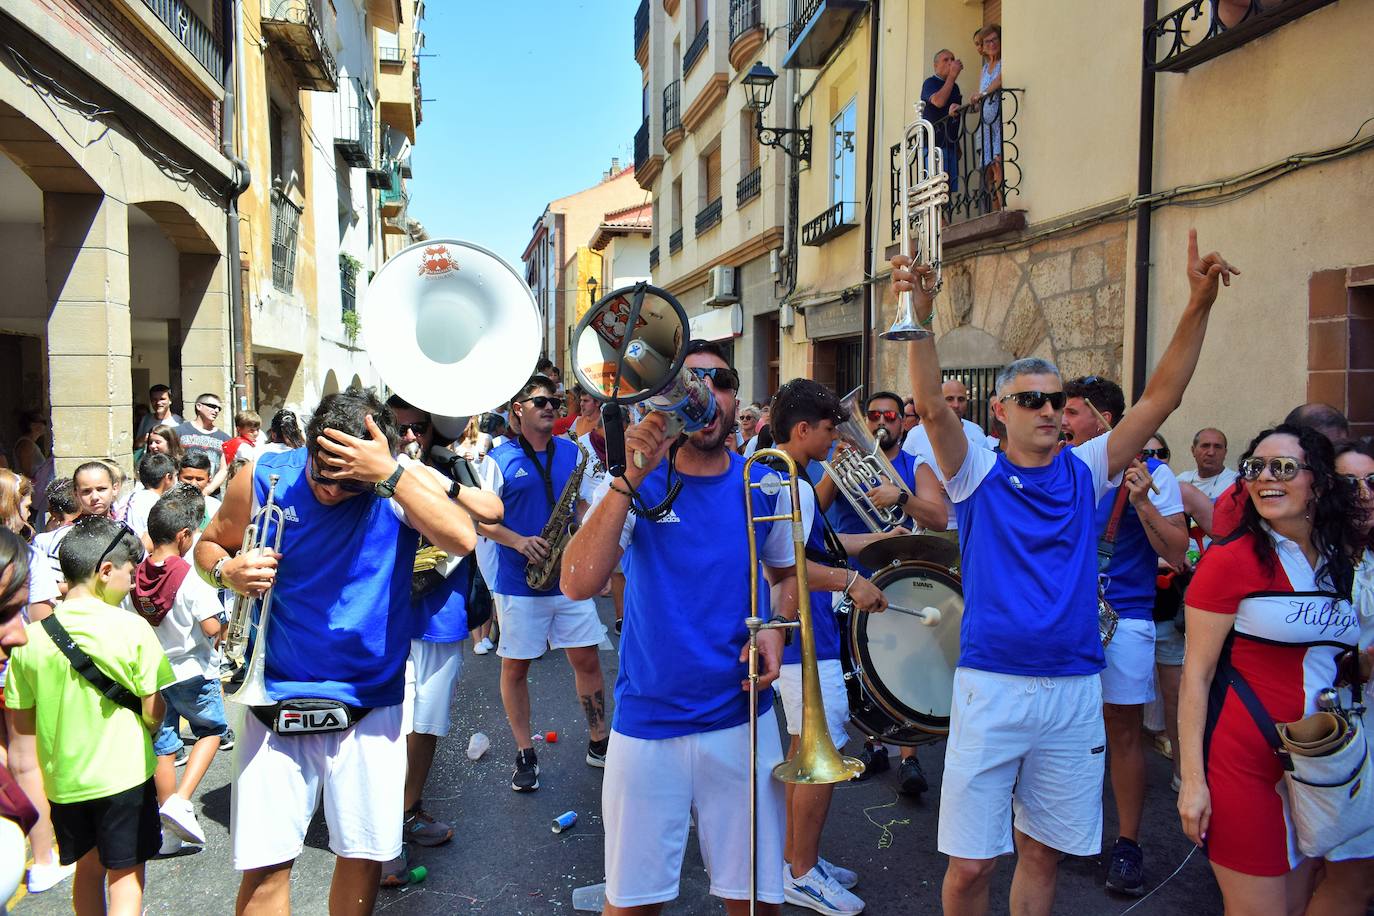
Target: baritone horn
863,466
816,762
263,533
924,191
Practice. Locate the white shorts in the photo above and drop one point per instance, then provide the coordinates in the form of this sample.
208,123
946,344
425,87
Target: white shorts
652,791
1035,745
278,780
1129,678
833,694
532,624
432,674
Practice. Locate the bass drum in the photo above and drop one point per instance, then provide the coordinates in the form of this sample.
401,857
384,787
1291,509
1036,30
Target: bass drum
898,671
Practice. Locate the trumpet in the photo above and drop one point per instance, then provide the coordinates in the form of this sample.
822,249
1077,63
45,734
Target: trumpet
253,690
863,466
817,762
922,199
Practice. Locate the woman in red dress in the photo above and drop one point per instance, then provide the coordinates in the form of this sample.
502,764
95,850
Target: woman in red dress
1274,598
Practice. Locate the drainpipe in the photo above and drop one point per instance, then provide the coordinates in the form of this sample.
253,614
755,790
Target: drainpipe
870,267
231,109
1144,184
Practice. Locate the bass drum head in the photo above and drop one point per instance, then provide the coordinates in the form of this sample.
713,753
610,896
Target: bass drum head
903,668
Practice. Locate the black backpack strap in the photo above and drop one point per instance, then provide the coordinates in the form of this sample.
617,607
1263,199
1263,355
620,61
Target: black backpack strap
81,662
1229,676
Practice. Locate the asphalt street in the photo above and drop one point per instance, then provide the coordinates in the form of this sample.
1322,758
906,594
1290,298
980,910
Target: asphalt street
504,858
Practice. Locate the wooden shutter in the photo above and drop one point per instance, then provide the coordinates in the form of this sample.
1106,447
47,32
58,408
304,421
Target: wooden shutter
713,174
992,12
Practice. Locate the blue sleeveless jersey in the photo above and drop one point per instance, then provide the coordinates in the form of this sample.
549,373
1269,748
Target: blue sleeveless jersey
342,618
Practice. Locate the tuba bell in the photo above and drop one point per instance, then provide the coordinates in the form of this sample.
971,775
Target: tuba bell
863,466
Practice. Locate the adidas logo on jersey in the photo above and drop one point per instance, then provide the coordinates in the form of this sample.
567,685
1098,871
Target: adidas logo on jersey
671,517
289,514
519,472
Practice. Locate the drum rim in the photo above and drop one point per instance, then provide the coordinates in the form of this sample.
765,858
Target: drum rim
898,711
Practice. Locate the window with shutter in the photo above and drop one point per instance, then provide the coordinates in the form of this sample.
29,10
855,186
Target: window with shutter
712,168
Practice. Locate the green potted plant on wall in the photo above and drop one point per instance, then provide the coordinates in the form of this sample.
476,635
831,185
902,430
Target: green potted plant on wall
349,268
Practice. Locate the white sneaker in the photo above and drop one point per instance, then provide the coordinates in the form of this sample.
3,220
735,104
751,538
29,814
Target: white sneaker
483,646
179,816
171,844
819,891
844,877
45,877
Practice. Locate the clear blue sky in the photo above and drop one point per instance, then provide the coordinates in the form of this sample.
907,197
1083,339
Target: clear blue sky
531,99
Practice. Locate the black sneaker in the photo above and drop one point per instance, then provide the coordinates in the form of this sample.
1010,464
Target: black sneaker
182,756
874,760
526,778
226,741
910,779
1126,874
596,753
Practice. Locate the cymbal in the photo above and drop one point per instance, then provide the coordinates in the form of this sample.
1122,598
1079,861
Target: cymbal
924,547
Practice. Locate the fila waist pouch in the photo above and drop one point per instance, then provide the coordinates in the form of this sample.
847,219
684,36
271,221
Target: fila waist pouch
307,716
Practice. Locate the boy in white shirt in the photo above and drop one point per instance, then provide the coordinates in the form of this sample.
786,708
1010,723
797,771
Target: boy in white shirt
184,612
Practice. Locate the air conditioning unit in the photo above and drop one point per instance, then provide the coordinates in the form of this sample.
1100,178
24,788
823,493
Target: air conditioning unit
723,288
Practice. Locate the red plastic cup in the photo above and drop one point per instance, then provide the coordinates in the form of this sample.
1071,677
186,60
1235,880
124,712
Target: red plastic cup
551,737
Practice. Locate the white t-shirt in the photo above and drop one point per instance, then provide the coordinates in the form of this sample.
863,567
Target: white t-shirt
917,443
42,580
1211,487
140,504
47,542
189,651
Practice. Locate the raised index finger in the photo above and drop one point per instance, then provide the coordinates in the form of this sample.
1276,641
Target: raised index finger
1192,245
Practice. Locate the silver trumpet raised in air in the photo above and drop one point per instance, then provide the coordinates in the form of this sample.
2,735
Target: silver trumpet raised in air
923,191
863,466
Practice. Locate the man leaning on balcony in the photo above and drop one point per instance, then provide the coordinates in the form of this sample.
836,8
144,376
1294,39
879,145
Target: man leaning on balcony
940,101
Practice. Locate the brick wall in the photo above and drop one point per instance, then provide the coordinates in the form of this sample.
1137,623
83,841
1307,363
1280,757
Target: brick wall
1340,343
112,35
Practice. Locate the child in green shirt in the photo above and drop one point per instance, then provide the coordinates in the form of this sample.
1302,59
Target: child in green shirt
96,755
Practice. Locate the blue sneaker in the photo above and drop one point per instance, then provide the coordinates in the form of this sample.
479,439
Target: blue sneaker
1126,874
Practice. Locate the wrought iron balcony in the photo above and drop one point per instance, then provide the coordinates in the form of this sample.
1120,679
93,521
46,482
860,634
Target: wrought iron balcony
295,29
193,34
653,257
391,55
1196,31
838,220
286,223
696,47
641,24
672,109
394,199
984,168
380,179
744,15
675,241
708,216
353,123
748,187
642,145
816,30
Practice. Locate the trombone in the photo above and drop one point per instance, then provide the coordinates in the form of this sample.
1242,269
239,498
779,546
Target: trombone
816,762
253,690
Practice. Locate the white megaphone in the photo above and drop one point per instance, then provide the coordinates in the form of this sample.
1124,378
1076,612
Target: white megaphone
630,347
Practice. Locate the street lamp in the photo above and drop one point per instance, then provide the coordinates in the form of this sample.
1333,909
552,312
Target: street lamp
758,84
591,289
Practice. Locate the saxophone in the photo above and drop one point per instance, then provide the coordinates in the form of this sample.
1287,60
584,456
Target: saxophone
558,530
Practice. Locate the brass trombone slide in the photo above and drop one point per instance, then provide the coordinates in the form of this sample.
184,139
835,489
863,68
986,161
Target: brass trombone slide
817,762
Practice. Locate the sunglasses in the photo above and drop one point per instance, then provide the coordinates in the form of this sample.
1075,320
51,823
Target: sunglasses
215,407
419,428
1160,453
1034,400
540,402
1279,468
721,378
115,542
876,415
1367,481
348,486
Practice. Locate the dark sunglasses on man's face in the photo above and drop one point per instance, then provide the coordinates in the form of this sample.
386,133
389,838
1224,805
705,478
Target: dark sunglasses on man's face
721,378
1283,468
540,402
1162,454
1034,400
207,405
419,428
875,415
348,486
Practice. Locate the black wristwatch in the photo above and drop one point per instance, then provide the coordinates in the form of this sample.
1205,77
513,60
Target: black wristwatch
902,498
387,488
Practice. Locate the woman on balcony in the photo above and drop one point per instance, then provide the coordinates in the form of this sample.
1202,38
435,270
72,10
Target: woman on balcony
990,130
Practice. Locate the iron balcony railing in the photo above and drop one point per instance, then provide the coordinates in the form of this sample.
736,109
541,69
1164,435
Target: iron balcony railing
805,9
675,241
393,55
981,157
642,145
744,15
835,221
353,123
653,257
1195,31
641,23
672,114
696,47
396,193
708,216
195,36
295,27
286,222
748,187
